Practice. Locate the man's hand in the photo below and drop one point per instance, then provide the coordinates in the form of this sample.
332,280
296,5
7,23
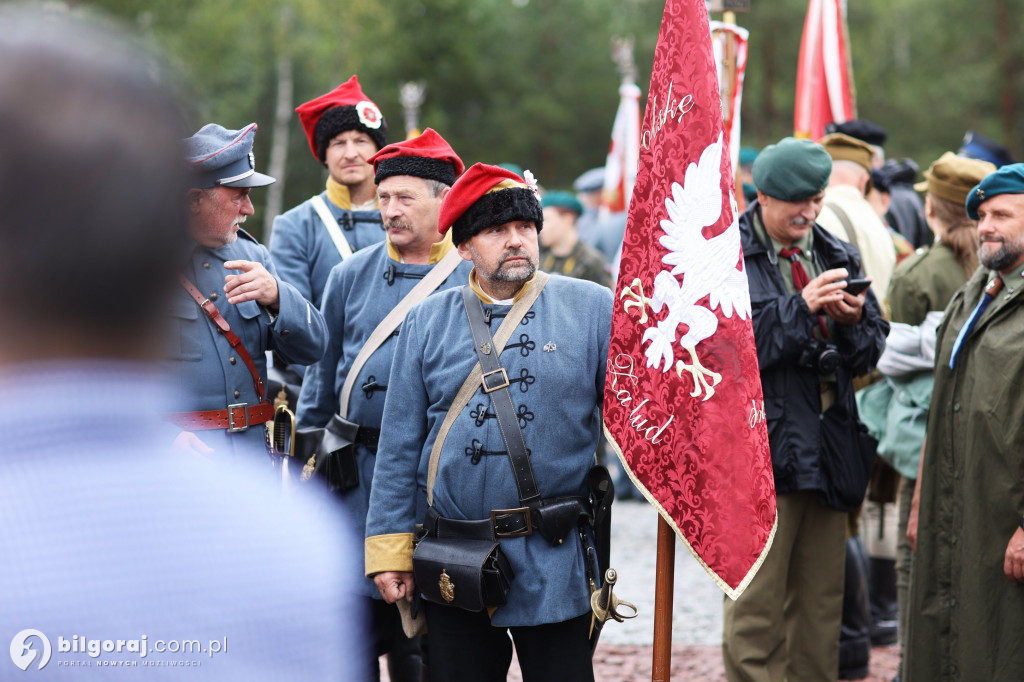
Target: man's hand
186,441
848,310
1013,564
825,288
254,284
395,585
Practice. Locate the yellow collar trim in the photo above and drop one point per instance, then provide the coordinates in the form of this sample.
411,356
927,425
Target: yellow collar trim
338,194
438,250
474,284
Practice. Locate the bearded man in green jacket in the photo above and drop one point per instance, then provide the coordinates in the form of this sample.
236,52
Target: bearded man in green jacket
966,612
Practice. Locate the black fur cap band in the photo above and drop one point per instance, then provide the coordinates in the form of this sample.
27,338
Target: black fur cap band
417,166
337,120
498,208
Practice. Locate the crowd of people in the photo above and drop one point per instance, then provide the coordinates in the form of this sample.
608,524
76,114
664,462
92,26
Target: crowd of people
441,334
903,391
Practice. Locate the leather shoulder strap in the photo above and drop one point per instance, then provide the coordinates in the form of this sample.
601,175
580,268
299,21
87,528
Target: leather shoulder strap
431,281
331,223
222,326
472,382
494,380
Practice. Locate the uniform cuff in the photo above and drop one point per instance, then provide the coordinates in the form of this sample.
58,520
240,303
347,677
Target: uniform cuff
392,552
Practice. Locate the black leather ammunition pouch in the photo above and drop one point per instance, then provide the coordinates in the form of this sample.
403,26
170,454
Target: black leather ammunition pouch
329,453
555,518
454,566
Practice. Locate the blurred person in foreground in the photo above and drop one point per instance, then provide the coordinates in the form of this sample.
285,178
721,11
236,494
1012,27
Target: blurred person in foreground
106,533
966,610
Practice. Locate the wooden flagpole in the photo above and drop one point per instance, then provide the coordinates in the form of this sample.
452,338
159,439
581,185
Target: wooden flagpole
664,584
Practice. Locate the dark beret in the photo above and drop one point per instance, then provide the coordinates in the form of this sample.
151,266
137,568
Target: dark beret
1007,180
792,169
862,129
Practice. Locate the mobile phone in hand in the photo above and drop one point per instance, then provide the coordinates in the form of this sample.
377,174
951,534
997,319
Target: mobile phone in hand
855,287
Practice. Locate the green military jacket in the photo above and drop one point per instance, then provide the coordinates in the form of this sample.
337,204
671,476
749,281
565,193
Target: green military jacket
583,262
965,618
924,282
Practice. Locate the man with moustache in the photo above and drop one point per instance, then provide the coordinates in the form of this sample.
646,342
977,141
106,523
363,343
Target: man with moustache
812,338
412,178
966,608
231,307
554,360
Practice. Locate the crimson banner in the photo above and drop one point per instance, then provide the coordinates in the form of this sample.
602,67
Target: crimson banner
683,404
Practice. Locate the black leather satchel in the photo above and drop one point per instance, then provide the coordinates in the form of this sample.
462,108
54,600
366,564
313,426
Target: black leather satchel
468,573
330,454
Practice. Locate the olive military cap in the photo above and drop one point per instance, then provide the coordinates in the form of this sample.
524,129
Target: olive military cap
952,177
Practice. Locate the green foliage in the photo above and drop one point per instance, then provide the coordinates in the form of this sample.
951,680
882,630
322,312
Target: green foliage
532,81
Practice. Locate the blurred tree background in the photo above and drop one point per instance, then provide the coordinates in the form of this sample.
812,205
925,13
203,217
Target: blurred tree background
532,82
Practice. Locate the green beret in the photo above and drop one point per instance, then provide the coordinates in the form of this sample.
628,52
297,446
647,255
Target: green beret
558,198
747,156
792,169
1007,180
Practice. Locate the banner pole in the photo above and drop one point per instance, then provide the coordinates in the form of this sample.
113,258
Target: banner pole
730,73
664,584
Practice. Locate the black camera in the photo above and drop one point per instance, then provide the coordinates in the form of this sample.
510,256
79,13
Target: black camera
823,358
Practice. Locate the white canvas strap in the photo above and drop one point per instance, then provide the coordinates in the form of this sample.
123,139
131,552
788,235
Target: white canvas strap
331,223
439,273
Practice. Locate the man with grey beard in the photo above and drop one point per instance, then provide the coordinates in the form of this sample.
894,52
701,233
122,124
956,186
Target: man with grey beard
966,608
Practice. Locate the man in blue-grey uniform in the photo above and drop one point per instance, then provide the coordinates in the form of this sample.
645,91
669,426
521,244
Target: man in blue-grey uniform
412,179
344,129
232,307
555,361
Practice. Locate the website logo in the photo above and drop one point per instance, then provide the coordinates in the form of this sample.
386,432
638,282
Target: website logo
22,652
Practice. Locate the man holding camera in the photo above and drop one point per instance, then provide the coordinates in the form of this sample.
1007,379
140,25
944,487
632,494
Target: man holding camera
812,338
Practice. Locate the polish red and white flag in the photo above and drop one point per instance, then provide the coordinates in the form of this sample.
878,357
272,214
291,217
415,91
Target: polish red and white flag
683,405
620,165
824,76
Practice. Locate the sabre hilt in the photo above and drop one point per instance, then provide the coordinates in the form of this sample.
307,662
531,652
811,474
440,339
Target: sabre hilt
606,604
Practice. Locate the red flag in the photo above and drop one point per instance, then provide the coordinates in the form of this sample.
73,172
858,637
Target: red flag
824,76
620,166
683,404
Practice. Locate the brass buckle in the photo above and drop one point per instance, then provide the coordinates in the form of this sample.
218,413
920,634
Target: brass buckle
525,511
504,376
232,428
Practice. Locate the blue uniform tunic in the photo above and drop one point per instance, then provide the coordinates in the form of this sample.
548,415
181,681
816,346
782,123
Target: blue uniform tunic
209,371
304,251
556,361
360,293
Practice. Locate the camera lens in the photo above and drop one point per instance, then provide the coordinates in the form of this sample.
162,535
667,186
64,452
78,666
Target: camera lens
828,360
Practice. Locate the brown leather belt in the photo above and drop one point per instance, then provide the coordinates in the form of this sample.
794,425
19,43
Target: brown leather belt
237,417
